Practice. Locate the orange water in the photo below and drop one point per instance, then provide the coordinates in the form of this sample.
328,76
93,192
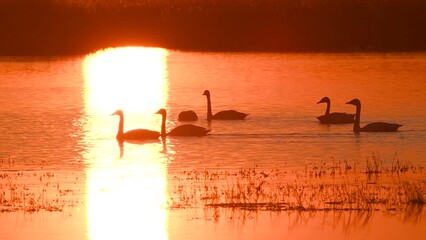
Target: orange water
55,116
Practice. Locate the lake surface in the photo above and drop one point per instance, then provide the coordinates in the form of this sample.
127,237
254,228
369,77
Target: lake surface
55,115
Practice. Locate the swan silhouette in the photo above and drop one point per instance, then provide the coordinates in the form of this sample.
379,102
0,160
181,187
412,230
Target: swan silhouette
222,115
372,127
135,134
187,116
182,130
335,117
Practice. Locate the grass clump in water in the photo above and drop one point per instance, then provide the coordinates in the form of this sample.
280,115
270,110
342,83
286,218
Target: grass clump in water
254,190
32,192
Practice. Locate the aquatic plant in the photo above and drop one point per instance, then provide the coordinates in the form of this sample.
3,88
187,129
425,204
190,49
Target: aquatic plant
19,194
254,190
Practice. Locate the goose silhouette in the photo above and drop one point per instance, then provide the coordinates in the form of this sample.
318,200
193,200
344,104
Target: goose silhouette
372,127
334,117
222,115
182,130
187,116
135,134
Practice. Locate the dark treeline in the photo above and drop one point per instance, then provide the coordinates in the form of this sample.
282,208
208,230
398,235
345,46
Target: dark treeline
45,27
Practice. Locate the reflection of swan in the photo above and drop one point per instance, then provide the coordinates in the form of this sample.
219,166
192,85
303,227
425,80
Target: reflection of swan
135,134
121,147
183,130
187,116
222,115
335,117
372,127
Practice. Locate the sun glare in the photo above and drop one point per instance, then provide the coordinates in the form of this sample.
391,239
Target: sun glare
127,199
126,193
132,79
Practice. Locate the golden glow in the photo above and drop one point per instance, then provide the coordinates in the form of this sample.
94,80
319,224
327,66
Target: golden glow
127,199
126,195
132,79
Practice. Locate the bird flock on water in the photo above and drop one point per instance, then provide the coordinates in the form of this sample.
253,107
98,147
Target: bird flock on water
193,130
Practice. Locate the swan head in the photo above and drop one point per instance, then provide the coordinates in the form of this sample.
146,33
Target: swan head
162,111
324,100
355,102
206,93
118,112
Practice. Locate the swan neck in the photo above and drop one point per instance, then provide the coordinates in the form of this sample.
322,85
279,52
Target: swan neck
209,108
120,127
357,127
163,125
327,111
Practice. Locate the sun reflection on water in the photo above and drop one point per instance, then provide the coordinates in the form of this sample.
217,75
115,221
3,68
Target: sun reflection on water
132,79
127,199
127,192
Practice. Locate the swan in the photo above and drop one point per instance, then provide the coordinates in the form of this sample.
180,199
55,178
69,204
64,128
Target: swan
135,134
335,117
187,116
372,127
222,115
183,130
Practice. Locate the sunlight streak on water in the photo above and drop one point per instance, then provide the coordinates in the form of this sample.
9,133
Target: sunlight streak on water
127,187
131,79
126,199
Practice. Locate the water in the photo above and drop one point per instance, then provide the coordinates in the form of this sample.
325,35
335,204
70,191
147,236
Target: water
56,116
57,109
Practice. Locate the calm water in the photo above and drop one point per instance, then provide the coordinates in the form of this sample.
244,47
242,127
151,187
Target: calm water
55,114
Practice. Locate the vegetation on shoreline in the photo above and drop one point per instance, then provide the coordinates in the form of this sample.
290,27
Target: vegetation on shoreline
396,186
33,192
322,187
46,27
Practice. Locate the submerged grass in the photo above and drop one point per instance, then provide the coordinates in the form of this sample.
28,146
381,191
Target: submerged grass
374,185
320,188
33,192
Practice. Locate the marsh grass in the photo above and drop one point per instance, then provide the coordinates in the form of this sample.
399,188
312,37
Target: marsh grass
333,186
33,192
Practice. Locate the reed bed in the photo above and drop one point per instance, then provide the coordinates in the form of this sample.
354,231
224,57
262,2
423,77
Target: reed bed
33,192
321,187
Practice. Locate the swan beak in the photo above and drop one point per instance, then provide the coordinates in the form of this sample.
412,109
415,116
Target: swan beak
160,111
355,102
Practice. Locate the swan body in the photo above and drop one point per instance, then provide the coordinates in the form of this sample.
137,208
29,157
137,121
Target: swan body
335,117
187,116
183,130
188,130
372,127
135,134
222,115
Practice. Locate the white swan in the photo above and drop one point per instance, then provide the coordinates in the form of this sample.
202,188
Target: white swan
335,117
222,115
372,127
135,134
187,116
183,130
